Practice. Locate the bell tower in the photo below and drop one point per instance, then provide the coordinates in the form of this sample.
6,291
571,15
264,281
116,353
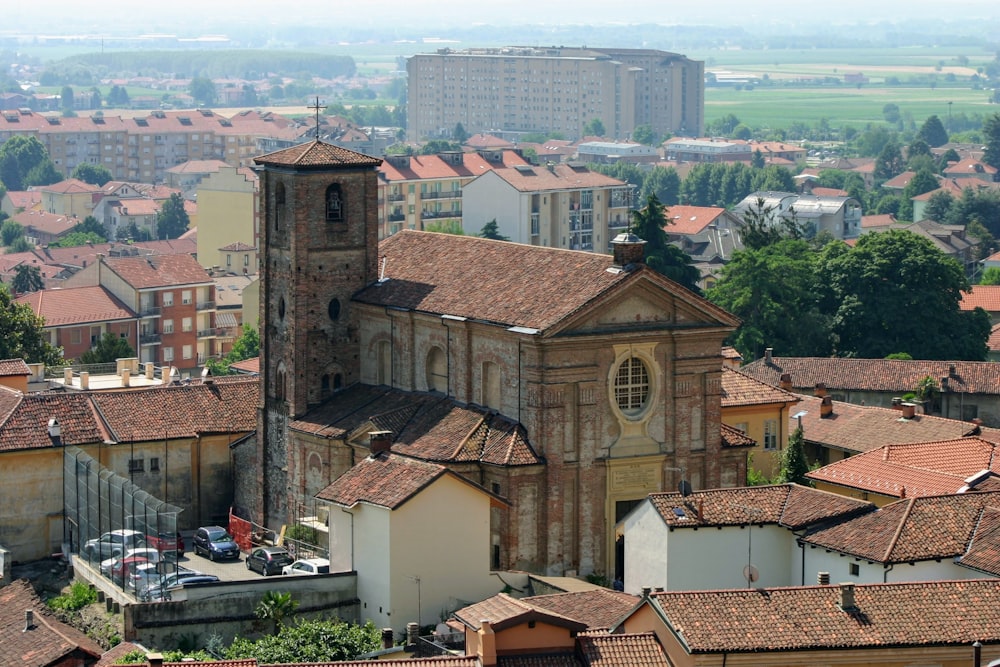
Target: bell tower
319,245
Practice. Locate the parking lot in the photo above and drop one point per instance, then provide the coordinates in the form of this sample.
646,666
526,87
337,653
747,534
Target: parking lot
228,570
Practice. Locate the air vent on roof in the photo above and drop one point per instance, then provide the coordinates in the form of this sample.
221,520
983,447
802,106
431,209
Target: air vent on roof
184,120
52,120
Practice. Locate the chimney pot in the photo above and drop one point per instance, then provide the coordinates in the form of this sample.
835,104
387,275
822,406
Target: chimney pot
29,619
823,578
154,659
826,407
412,633
379,441
387,638
847,597
820,390
909,410
628,249
897,403
646,590
768,355
786,381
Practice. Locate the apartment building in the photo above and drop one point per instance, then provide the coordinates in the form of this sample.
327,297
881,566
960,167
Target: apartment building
414,190
529,89
175,301
557,205
227,209
143,148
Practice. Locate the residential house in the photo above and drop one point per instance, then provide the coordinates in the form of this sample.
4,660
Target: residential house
237,259
415,532
187,175
843,625
418,190
972,168
76,318
508,354
680,149
930,538
34,636
780,150
761,412
171,441
230,313
968,389
952,240
557,206
72,198
610,152
708,234
839,216
986,297
956,187
175,301
14,374
228,214
18,201
42,228
725,538
913,470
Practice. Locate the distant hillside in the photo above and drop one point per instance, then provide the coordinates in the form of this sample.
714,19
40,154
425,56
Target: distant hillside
245,64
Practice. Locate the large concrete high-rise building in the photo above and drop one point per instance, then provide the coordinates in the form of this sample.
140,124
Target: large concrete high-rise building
533,89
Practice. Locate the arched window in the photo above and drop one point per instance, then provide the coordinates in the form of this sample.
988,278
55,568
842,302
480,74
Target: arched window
279,381
279,206
437,370
632,386
338,381
334,204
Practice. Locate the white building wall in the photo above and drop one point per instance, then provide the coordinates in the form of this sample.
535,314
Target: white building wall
646,552
341,546
489,197
711,558
839,566
372,560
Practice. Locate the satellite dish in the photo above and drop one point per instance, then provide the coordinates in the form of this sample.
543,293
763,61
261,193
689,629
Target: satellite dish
684,488
751,574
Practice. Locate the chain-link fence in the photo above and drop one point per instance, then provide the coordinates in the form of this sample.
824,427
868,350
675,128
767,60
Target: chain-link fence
127,534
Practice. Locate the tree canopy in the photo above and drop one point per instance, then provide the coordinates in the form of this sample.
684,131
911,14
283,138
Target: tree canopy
490,231
991,136
21,334
246,346
108,348
309,641
661,255
172,220
27,279
933,132
24,162
95,174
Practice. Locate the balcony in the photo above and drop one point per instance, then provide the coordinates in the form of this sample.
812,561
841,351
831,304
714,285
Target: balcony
432,215
396,197
443,194
205,305
150,339
149,311
396,217
210,333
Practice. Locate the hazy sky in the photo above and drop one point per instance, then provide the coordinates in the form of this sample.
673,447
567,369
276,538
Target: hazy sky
190,16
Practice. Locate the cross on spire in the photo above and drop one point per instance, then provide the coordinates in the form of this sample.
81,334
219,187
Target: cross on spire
317,107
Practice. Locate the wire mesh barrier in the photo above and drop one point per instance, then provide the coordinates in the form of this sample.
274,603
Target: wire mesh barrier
125,533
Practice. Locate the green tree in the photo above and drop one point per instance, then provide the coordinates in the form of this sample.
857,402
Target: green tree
664,183
775,291
10,230
794,464
459,134
644,134
246,346
91,225
67,97
276,607
939,206
20,244
172,220
108,348
309,641
891,113
933,132
991,138
95,174
894,291
757,160
889,163
490,231
439,146
923,181
44,173
659,254
990,276
950,155
760,226
19,155
21,334
202,90
594,128
27,279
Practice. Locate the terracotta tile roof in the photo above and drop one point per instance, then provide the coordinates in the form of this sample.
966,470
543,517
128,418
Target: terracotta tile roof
485,280
239,246
631,650
883,220
690,219
599,609
858,428
429,167
915,469
11,367
487,141
539,660
70,186
316,154
503,611
969,166
887,616
555,177
159,271
427,427
386,480
883,375
910,530
788,505
198,167
137,207
739,389
77,305
24,199
25,420
829,192
899,182
993,342
48,641
111,656
983,553
440,661
49,223
180,411
733,437
986,297
247,365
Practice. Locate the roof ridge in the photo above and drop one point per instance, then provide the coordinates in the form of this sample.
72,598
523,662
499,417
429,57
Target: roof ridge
899,530
468,437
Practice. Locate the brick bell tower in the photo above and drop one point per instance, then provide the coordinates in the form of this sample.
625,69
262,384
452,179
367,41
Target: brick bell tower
319,245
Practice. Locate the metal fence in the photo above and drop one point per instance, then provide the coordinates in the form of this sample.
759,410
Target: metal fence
107,516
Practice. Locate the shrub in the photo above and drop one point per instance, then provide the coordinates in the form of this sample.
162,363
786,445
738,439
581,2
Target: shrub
79,596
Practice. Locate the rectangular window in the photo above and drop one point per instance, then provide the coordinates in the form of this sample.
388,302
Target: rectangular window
168,299
229,260
246,260
168,326
135,465
168,354
186,324
855,569
154,464
742,427
770,434
74,336
186,351
186,296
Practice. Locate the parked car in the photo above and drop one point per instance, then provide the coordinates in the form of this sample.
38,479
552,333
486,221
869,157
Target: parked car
214,542
167,544
268,560
142,575
149,554
159,590
308,566
116,541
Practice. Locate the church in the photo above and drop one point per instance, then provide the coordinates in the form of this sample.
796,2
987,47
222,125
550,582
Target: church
570,384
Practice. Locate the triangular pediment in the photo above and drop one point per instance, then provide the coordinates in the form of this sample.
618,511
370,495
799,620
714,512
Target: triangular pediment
647,303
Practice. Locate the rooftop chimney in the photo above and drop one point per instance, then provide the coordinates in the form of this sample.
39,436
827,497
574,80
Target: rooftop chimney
628,249
768,355
826,407
897,403
847,597
29,620
154,659
412,633
487,644
786,381
646,590
387,638
819,391
909,410
823,578
379,441
206,375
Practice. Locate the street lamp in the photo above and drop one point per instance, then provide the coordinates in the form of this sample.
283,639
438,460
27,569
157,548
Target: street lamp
55,434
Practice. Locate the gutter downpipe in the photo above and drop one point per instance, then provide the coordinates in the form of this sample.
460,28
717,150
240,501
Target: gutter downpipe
886,571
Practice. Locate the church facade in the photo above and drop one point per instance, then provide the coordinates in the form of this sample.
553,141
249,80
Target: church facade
571,384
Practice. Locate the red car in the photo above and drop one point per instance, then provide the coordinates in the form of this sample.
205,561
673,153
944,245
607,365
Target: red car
165,543
125,567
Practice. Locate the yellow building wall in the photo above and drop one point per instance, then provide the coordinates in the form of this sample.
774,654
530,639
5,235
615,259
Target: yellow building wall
226,203
766,461
251,304
877,498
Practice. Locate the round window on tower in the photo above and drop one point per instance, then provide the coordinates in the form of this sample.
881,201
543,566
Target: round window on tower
333,310
631,387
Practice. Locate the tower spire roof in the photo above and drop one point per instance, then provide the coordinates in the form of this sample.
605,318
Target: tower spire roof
316,154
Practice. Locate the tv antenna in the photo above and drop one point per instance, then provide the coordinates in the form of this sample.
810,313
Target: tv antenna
316,106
